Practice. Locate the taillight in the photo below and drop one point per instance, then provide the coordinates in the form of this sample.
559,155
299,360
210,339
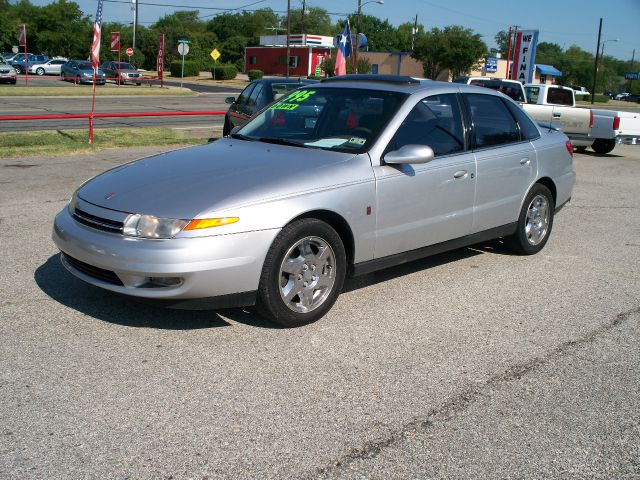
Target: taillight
590,118
569,147
616,123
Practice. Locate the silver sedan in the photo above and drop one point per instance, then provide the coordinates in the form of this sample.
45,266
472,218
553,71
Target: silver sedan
52,67
340,178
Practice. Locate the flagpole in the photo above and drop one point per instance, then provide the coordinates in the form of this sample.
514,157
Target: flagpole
93,106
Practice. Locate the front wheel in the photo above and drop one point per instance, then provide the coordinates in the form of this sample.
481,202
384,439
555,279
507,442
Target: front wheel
534,223
602,146
303,273
18,69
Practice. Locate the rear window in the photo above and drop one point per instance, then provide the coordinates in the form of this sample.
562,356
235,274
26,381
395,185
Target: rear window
512,90
281,89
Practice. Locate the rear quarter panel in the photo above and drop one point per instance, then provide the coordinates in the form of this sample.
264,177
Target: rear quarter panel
555,162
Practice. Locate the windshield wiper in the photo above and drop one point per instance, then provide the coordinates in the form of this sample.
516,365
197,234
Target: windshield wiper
281,141
239,136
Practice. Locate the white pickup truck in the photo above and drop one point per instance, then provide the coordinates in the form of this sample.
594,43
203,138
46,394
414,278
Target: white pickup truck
599,129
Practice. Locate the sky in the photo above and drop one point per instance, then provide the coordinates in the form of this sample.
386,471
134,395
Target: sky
565,22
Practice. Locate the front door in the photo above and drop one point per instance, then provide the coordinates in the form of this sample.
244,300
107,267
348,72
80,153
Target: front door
425,204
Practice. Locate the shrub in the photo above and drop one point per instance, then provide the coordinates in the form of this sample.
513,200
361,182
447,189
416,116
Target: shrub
191,69
599,98
315,77
224,72
255,74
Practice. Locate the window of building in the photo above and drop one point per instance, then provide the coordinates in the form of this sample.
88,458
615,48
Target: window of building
253,60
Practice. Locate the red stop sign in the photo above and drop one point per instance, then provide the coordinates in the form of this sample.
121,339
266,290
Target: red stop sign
129,51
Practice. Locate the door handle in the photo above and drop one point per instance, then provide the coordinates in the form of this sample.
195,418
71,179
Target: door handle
460,174
525,161
557,115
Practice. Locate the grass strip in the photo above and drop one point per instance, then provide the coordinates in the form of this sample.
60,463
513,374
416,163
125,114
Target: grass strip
87,90
64,142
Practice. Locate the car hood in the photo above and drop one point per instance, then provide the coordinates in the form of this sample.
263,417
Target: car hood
215,177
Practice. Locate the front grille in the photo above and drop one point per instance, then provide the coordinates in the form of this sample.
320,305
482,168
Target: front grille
5,71
99,223
134,75
98,273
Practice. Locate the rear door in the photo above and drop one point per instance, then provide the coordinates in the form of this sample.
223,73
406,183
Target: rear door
506,160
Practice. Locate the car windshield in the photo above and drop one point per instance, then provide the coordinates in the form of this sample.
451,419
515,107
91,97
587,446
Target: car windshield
84,66
124,66
337,119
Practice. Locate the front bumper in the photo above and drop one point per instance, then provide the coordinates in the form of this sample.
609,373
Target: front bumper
221,266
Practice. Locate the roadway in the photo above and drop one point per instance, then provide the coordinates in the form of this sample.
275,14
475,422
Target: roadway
472,364
210,97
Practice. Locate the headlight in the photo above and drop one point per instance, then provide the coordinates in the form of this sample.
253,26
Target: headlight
149,226
85,74
72,203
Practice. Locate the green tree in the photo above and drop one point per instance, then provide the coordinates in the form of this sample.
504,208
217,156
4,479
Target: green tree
63,29
502,41
316,21
381,35
455,48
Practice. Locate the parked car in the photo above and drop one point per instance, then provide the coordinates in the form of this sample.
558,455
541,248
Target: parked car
580,91
632,97
81,71
127,72
510,88
20,63
51,67
257,95
621,96
377,171
7,72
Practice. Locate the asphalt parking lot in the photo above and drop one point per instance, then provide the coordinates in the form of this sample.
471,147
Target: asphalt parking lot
472,364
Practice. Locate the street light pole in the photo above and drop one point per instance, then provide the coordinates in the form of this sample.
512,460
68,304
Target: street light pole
595,68
288,32
602,58
355,47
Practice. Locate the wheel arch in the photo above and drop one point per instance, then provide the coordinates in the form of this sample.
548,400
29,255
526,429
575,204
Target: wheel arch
339,224
547,182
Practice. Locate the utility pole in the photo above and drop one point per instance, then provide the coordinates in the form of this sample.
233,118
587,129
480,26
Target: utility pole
595,67
354,45
414,32
509,52
288,32
633,57
135,23
304,3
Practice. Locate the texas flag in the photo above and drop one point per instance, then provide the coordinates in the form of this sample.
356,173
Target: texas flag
344,51
95,45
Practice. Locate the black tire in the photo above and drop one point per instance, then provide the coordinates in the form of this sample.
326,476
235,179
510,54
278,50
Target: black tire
138,84
18,69
13,82
40,71
226,129
580,149
317,272
532,233
603,146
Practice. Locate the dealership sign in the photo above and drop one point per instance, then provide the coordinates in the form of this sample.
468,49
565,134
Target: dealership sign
525,56
632,76
491,66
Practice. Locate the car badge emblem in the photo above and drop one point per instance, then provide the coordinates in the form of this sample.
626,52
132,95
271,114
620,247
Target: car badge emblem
109,195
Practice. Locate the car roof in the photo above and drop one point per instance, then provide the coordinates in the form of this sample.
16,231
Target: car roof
392,83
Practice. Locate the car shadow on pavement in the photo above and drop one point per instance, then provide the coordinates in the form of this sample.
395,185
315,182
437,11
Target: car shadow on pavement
64,288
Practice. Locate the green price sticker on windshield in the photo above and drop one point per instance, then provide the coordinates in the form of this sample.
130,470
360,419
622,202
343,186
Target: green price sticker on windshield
293,101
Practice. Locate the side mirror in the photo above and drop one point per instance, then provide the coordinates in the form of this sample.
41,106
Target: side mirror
410,154
229,99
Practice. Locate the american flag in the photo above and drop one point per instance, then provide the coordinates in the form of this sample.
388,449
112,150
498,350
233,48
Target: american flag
95,46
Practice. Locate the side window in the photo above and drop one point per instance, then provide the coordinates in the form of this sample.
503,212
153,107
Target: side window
436,122
528,129
244,96
559,96
532,94
256,95
492,122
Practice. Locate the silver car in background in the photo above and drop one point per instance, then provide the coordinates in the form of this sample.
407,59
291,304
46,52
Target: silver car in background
51,67
344,177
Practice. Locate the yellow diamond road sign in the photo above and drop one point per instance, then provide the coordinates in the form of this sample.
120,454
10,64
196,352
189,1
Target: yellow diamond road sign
215,54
